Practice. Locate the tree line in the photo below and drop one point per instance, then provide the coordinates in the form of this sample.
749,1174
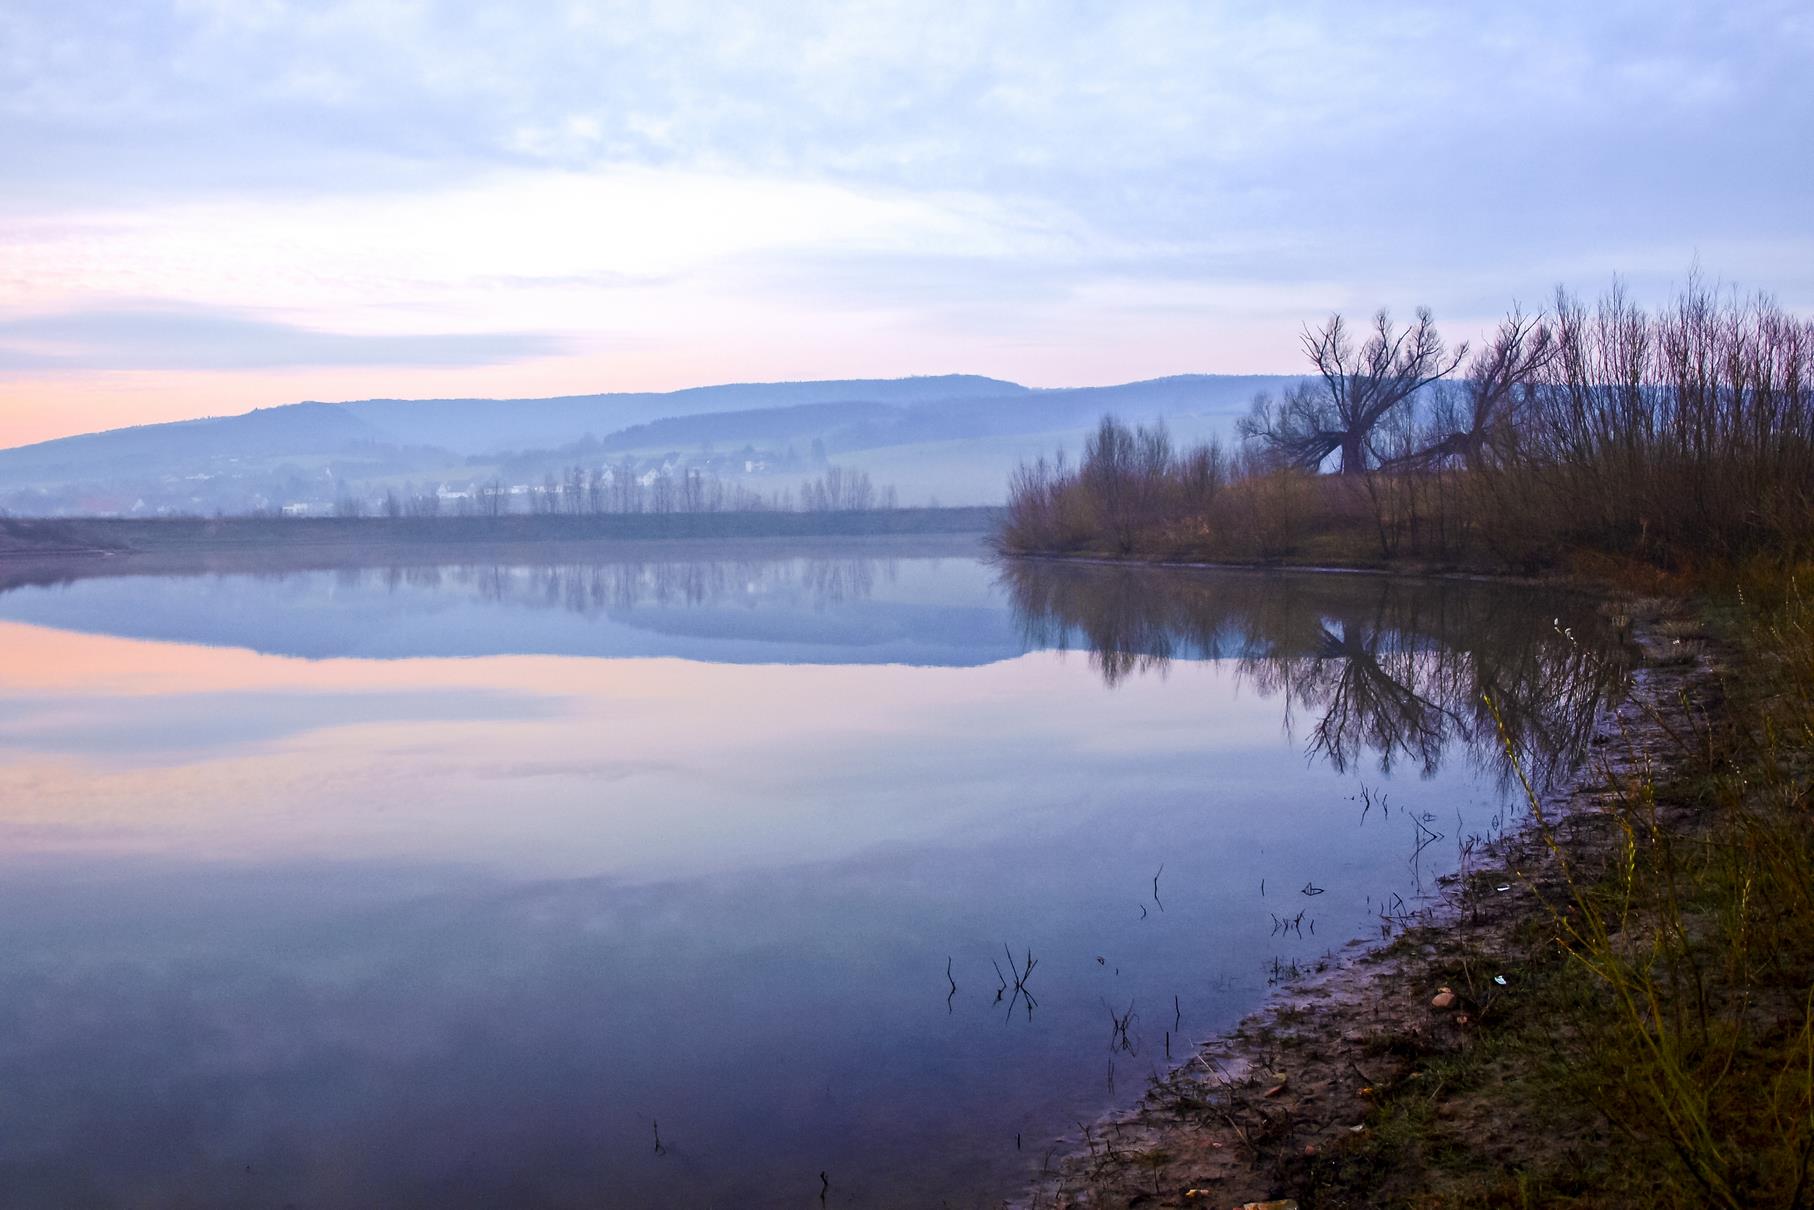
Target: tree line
1673,435
593,491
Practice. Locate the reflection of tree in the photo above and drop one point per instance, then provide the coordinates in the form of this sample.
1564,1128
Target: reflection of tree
1390,670
596,588
1368,706
593,587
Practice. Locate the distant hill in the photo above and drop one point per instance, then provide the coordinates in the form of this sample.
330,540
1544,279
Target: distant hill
474,426
297,428
951,437
1050,411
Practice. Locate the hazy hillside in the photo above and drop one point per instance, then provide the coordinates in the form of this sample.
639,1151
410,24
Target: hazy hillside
476,426
298,428
802,422
951,438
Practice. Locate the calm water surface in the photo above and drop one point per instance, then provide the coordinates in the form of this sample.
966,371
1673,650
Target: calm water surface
626,883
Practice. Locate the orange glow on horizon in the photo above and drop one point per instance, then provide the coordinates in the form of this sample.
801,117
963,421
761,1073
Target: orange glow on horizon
45,408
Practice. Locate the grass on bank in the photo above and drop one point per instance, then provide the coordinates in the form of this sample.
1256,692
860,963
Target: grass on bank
1659,1047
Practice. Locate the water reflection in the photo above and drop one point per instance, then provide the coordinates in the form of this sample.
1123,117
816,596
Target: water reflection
470,882
590,588
523,576
788,606
1386,671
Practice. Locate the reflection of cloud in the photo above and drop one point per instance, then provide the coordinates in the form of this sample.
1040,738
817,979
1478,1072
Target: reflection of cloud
164,336
185,725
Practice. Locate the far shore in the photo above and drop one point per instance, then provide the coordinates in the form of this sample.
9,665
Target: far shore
57,551
43,536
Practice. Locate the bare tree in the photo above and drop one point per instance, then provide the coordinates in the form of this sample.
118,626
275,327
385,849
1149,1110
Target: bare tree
1108,473
837,490
1499,379
627,488
661,494
1359,389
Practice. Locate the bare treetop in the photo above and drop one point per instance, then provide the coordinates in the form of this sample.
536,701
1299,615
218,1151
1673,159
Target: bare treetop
1360,388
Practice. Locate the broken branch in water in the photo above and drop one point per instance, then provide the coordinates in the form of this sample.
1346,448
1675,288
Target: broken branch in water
1119,1022
1021,974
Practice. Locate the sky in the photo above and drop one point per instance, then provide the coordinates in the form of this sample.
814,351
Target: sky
214,205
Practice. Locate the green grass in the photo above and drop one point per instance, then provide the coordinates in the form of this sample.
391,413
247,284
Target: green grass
1660,1048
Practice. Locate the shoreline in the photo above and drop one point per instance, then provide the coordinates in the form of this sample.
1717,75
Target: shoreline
1381,571
1263,1111
1568,580
189,554
24,537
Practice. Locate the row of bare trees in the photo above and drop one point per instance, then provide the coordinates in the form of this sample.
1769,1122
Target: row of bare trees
592,491
579,490
1677,434
841,490
1134,492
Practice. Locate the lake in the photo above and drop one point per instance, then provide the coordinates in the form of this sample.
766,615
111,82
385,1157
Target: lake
683,877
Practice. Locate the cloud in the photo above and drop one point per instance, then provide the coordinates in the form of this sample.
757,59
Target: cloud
772,187
151,336
1469,136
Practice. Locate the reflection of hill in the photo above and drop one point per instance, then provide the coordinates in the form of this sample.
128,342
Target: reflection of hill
1389,670
1379,670
843,608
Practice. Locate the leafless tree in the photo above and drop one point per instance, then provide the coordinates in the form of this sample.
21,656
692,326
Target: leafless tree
661,494
1359,389
626,488
838,490
1108,473
1501,377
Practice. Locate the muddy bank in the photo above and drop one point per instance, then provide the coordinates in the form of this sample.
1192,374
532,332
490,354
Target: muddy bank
1282,1106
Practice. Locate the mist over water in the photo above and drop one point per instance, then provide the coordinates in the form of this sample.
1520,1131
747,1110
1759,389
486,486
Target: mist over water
681,881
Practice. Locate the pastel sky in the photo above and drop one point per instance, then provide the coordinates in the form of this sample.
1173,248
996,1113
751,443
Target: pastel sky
212,205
